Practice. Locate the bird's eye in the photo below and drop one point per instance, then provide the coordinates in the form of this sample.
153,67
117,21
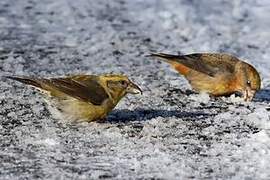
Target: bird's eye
249,82
123,83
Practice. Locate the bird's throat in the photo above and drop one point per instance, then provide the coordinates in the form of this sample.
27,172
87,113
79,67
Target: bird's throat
116,96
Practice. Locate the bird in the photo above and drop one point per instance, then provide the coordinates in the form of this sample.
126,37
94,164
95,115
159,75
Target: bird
83,97
217,74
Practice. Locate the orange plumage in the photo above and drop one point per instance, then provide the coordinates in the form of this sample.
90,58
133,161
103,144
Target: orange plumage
216,74
184,70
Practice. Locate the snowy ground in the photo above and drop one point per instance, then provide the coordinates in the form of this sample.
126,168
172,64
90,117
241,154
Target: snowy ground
167,133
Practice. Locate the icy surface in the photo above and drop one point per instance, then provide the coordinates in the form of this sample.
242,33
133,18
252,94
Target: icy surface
169,132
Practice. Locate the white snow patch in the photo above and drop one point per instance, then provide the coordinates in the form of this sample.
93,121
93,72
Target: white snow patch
235,99
262,137
47,142
202,98
260,118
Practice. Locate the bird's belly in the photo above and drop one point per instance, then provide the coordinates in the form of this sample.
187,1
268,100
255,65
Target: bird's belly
72,109
213,85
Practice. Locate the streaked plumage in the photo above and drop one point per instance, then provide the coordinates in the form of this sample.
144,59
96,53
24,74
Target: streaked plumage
216,74
84,97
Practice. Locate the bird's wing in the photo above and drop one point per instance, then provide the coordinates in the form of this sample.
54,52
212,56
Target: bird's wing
83,87
207,63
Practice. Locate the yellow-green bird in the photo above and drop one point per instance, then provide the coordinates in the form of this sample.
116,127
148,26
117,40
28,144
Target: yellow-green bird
83,97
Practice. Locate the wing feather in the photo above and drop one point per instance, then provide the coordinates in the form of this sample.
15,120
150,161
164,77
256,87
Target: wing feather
207,63
83,87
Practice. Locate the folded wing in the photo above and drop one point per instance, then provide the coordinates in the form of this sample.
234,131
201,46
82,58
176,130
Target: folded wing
207,63
82,87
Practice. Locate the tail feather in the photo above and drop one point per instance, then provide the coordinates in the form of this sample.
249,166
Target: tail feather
169,58
164,55
26,80
175,60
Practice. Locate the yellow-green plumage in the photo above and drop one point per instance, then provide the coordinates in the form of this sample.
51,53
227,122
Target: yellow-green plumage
84,97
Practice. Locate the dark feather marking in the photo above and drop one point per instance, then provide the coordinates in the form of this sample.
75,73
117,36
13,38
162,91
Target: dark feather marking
88,90
195,62
25,80
198,62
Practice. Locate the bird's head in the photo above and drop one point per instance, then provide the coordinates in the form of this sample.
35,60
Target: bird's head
248,80
119,85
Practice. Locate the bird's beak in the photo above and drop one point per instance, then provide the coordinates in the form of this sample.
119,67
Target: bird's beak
133,88
248,94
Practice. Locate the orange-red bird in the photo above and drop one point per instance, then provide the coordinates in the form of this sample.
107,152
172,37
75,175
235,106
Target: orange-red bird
216,74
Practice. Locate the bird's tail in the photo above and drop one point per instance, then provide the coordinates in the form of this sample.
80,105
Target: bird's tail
174,60
26,80
165,57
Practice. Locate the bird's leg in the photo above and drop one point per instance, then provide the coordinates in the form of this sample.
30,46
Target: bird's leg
248,94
